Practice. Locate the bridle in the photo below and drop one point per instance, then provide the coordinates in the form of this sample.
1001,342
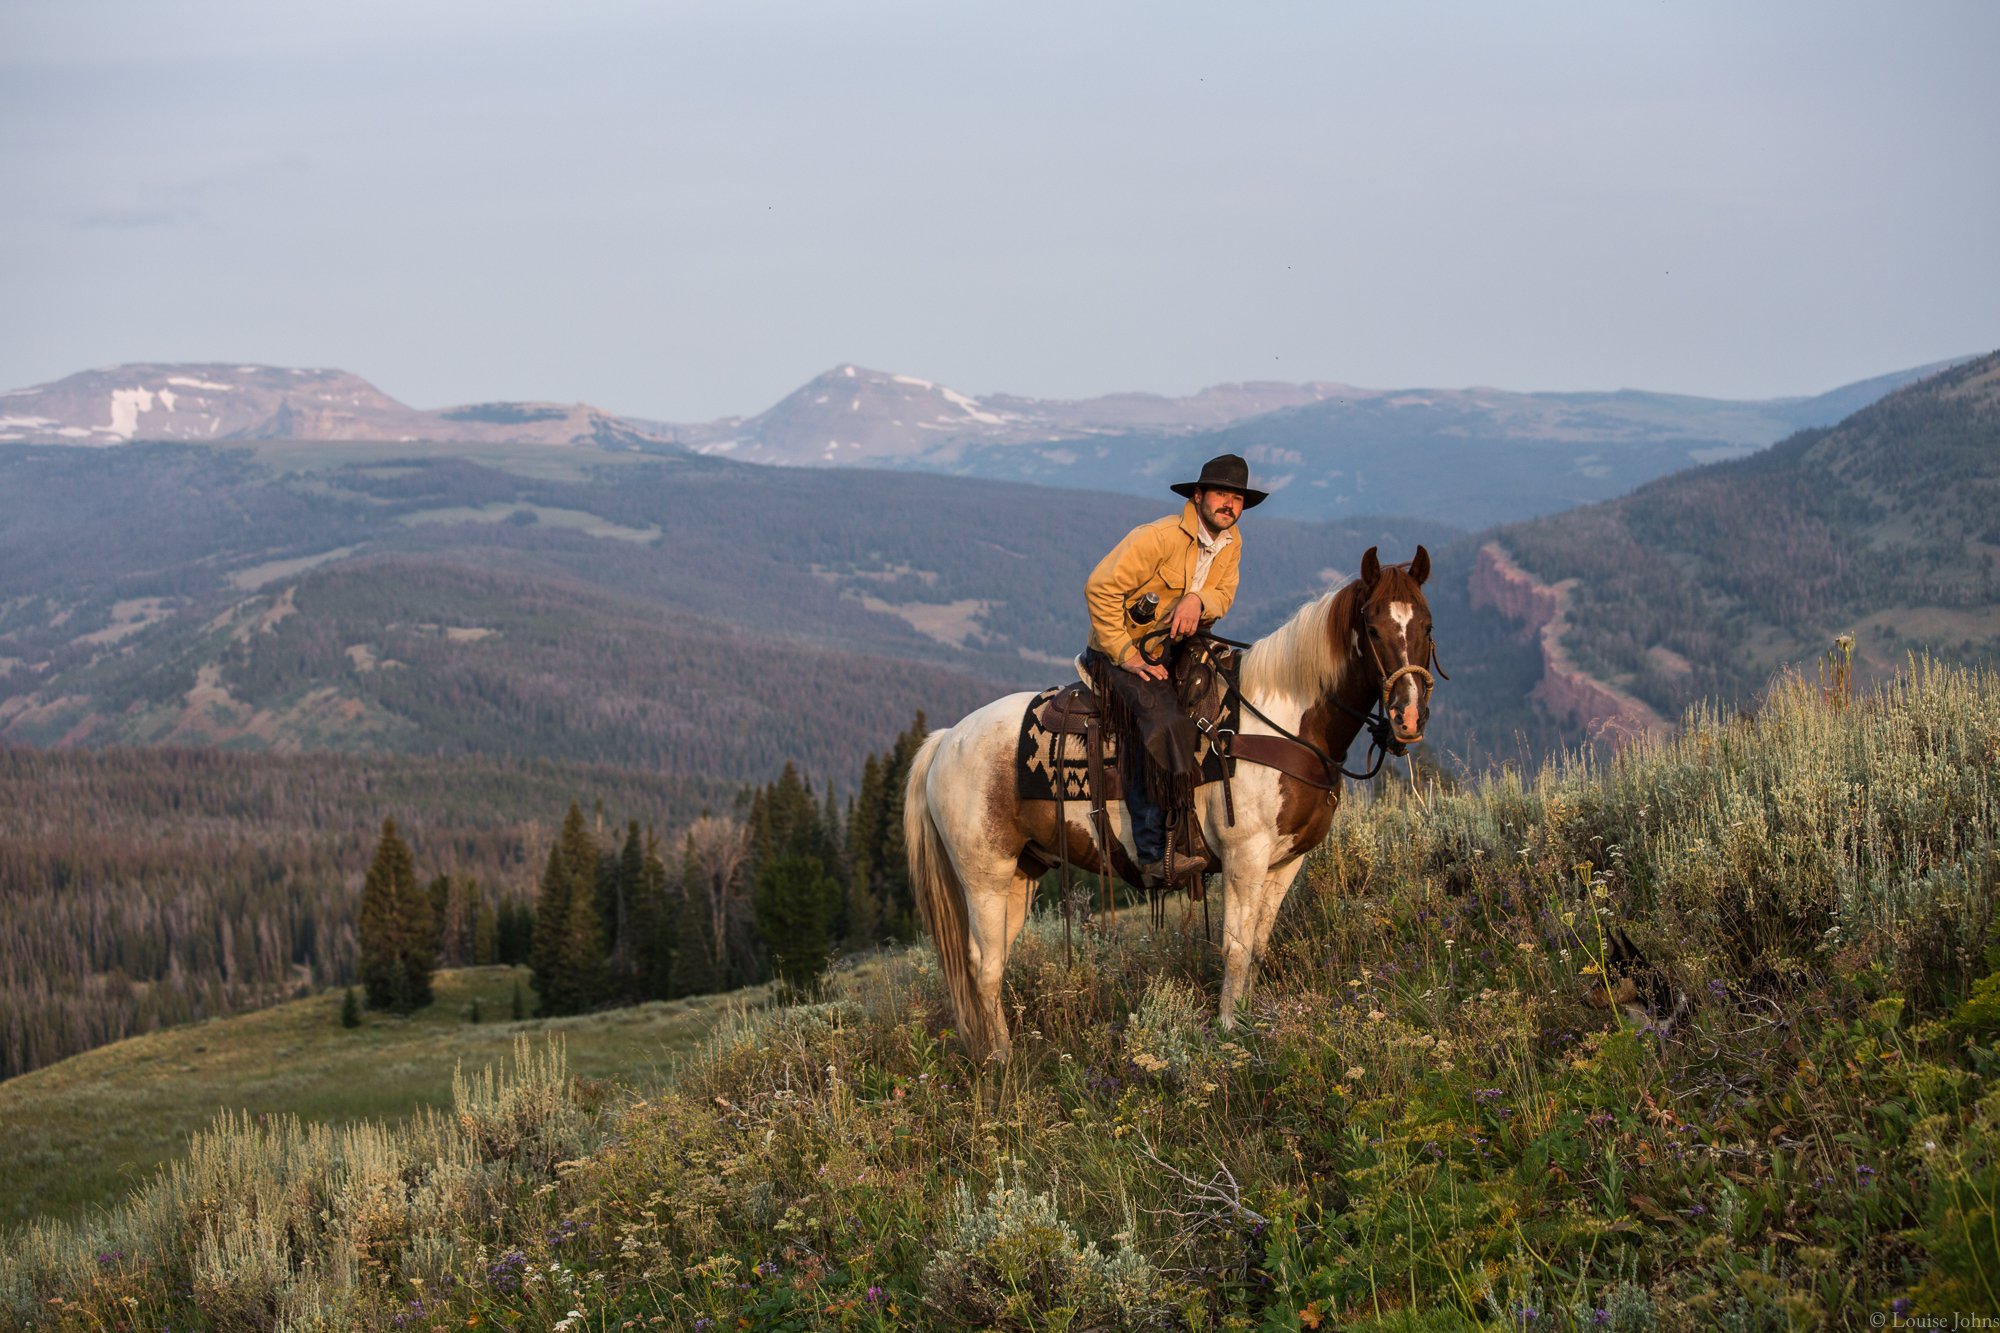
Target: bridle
1382,737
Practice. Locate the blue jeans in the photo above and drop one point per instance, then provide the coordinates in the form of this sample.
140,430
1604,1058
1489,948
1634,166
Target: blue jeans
1159,742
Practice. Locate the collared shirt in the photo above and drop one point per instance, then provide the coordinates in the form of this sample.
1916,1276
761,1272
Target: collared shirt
1159,558
1210,543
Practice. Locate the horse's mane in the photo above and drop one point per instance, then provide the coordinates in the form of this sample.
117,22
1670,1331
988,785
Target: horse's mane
1306,657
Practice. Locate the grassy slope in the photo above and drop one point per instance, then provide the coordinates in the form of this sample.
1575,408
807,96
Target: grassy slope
83,1132
1419,1124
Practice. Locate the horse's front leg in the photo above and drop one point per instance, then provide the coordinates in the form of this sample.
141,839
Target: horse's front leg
1245,921
1270,897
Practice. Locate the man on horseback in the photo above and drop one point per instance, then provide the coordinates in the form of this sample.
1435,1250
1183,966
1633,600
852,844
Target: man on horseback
1175,574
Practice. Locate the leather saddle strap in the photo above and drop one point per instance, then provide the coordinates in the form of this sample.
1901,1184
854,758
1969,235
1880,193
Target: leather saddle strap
1287,756
1094,750
1059,742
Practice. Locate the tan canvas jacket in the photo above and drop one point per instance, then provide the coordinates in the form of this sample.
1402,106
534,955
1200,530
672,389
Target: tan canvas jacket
1156,557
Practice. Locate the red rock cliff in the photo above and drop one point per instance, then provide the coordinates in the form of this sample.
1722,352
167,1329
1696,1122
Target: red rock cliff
1565,690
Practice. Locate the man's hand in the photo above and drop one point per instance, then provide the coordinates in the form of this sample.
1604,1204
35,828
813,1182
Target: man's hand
1139,666
1185,618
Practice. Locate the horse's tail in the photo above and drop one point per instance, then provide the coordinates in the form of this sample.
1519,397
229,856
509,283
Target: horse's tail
940,896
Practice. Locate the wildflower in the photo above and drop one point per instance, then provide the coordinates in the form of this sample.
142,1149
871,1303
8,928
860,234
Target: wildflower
1376,1015
1488,1094
1864,1173
1527,1314
1526,946
1900,1306
1355,1071
1448,943
874,1295
1569,918
1600,1317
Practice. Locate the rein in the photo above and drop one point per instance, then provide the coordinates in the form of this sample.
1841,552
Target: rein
1381,731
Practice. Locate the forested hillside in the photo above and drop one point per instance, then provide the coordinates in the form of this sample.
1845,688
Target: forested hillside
689,613
147,887
1700,585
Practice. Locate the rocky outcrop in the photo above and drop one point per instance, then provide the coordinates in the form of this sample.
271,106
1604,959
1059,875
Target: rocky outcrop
1565,689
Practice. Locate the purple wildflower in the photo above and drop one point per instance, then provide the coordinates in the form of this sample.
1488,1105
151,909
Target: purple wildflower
1900,1306
874,1295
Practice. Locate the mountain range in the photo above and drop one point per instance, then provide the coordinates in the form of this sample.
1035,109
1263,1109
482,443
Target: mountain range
1469,457
615,593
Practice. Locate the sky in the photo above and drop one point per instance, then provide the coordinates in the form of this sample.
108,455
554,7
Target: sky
685,210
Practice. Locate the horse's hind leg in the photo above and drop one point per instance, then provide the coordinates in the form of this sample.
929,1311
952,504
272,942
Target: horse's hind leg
999,910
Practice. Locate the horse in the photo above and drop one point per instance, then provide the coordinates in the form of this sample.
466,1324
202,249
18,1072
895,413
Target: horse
976,851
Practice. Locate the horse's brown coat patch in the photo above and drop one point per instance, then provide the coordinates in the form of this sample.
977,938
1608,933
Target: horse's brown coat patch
1305,812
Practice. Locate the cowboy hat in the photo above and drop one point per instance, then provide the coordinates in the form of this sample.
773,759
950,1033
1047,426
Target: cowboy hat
1225,473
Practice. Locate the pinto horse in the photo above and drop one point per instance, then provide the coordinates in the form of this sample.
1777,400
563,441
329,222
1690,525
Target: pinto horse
976,850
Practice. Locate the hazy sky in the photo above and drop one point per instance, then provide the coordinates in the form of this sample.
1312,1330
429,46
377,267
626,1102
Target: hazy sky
685,210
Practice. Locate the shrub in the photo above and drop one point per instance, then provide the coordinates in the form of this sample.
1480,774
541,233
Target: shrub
1012,1262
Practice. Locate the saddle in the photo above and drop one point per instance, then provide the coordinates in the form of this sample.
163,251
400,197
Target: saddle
1203,677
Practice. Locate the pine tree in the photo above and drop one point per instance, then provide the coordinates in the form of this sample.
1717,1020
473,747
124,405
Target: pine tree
396,930
653,910
551,910
419,947
694,970
581,980
567,922
864,848
513,932
626,948
439,893
485,934
350,1009
795,902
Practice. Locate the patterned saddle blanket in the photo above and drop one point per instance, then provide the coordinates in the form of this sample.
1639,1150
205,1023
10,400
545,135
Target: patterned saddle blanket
1052,757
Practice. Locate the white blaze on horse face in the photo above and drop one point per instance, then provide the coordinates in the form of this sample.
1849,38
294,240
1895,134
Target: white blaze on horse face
1403,613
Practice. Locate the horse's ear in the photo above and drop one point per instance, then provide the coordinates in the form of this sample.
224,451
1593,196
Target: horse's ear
1420,567
1371,568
